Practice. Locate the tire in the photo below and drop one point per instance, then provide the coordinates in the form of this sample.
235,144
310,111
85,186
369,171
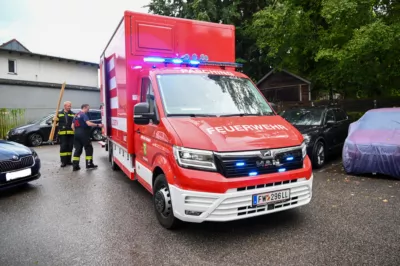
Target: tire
114,166
319,155
35,140
96,134
163,204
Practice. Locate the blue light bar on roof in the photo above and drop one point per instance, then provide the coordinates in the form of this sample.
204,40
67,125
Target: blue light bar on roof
193,61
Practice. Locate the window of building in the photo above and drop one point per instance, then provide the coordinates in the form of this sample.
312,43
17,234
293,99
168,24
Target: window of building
12,66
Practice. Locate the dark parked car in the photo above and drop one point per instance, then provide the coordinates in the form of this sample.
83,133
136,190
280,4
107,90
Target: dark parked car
38,131
324,129
18,164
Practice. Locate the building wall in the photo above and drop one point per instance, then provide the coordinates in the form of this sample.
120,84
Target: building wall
35,68
38,101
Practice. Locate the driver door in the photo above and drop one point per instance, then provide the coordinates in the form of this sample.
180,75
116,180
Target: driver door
144,134
330,131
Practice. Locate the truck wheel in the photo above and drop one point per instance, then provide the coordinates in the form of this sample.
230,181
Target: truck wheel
114,166
319,155
163,204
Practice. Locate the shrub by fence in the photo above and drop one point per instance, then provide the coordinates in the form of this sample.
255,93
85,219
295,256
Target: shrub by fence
354,108
10,118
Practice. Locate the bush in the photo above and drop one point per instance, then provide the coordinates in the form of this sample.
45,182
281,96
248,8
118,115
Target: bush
10,118
354,116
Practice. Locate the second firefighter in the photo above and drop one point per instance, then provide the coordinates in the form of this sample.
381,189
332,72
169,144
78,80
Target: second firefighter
82,127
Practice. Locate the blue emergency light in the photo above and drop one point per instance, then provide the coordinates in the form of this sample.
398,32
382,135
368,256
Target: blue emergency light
187,60
240,164
289,158
253,173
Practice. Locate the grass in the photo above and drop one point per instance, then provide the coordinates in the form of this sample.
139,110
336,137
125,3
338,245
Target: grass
10,118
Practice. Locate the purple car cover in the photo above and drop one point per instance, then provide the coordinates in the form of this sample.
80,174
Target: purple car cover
373,143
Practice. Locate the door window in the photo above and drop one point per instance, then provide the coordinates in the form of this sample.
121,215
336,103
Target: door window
94,115
340,115
330,116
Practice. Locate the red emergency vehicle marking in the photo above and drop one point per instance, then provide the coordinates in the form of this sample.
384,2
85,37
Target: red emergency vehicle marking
145,138
206,71
226,129
119,123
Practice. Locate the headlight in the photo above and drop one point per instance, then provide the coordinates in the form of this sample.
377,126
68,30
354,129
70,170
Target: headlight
304,149
19,131
34,154
190,158
307,139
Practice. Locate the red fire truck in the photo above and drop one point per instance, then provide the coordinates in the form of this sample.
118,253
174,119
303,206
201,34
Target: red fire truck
197,134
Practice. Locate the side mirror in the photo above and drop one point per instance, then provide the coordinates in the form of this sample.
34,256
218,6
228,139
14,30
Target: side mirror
49,122
141,114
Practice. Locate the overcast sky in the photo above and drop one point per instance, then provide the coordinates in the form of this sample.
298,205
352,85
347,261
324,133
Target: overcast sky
76,29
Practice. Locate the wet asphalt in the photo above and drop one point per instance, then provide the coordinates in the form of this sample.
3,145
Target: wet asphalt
102,218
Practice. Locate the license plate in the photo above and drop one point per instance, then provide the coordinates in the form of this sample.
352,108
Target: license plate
271,197
18,174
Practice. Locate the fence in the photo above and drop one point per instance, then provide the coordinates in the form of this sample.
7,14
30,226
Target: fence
10,118
350,105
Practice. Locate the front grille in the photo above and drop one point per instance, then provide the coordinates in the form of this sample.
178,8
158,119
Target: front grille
11,165
253,163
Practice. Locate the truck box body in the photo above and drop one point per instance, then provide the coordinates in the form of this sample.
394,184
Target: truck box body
140,35
197,134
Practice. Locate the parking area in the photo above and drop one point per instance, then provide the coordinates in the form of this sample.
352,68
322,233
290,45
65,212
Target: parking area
100,217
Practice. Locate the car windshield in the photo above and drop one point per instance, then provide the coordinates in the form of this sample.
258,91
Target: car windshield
206,94
386,120
303,117
40,120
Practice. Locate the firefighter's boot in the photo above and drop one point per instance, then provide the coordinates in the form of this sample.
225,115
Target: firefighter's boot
90,165
75,166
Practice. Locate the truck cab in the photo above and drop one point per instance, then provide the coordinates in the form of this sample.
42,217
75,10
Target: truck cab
197,134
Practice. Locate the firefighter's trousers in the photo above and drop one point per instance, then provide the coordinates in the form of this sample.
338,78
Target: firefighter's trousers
66,145
82,141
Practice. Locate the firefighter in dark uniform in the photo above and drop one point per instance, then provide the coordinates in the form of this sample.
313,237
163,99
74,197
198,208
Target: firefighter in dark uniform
66,134
82,127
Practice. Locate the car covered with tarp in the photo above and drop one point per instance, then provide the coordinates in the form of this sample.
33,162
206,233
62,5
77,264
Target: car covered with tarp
373,144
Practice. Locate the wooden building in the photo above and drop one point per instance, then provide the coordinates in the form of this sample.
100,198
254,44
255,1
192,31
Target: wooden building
283,86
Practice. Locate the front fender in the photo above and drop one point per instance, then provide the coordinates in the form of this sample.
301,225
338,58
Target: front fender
161,161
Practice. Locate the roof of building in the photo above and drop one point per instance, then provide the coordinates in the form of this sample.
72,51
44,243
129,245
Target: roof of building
283,70
14,46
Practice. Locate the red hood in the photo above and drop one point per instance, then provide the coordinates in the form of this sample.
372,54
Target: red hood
235,133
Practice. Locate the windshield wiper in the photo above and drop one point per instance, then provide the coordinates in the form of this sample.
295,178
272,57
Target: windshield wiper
193,115
245,114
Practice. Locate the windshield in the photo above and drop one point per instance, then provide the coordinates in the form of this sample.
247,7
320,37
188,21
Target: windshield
302,117
387,120
43,118
206,94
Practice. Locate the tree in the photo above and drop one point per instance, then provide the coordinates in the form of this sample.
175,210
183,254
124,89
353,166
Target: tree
349,45
236,12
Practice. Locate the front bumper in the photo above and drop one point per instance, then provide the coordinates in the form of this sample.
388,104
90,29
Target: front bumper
35,174
234,204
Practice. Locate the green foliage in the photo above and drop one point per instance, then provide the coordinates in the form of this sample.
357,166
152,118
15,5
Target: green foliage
235,12
354,116
350,46
10,118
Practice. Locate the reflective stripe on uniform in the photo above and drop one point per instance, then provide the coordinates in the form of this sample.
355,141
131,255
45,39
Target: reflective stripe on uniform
70,132
71,115
69,153
89,157
64,153
60,115
75,158
62,132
